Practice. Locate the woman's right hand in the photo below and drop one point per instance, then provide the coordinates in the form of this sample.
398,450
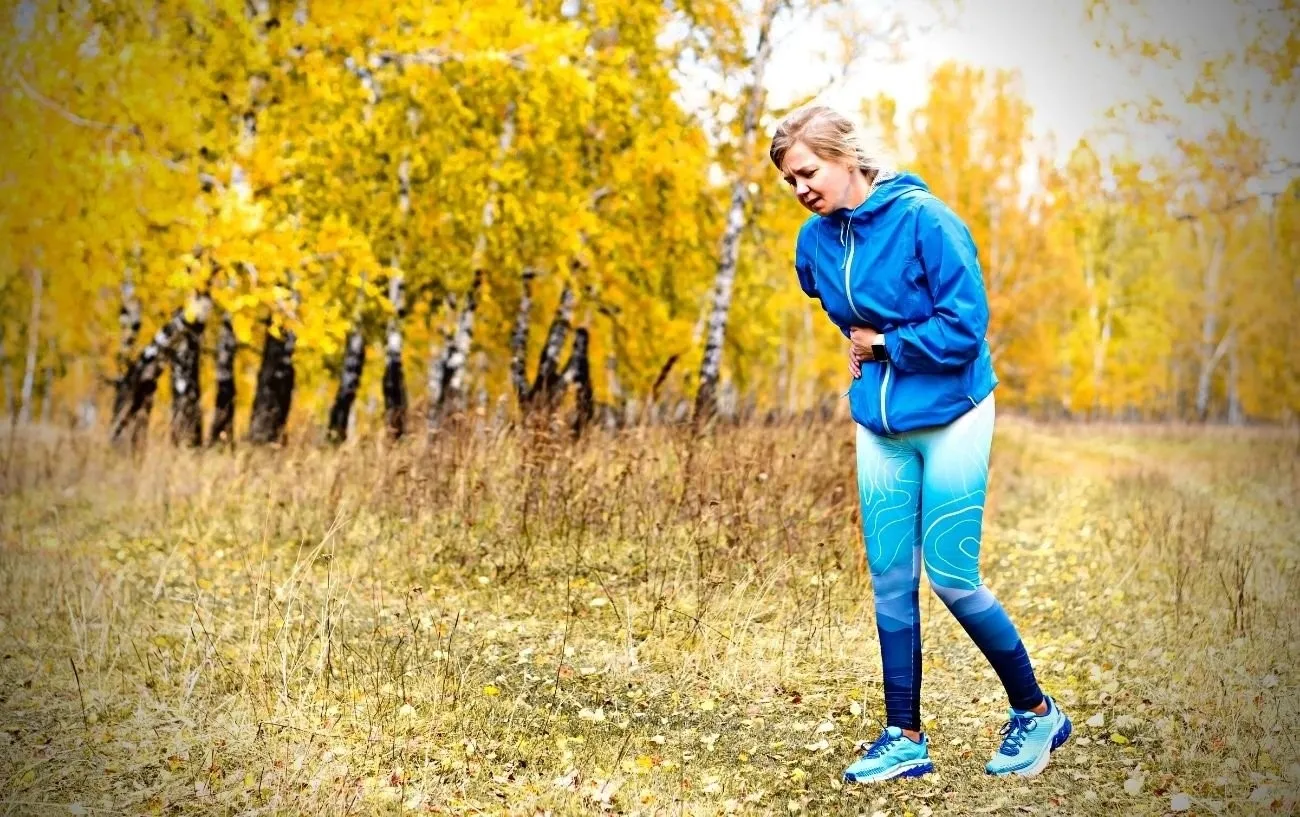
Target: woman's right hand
855,360
860,340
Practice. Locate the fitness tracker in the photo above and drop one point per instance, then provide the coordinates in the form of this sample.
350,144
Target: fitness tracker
878,351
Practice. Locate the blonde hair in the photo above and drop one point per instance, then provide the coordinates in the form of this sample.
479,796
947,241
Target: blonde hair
833,137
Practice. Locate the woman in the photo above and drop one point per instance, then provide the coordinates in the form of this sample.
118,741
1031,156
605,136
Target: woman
898,273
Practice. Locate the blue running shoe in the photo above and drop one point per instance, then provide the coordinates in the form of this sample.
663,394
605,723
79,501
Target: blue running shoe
892,755
1029,740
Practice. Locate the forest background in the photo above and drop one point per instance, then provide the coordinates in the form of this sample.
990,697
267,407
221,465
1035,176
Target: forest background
328,216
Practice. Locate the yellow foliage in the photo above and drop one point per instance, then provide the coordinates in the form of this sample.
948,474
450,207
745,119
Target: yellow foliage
203,149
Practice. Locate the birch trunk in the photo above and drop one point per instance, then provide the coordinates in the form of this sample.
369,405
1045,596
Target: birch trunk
1211,352
134,416
33,345
448,368
578,373
394,385
354,361
187,415
453,384
438,362
128,320
710,366
274,395
548,385
223,413
519,339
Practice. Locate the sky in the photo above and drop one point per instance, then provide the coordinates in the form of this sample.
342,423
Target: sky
1067,80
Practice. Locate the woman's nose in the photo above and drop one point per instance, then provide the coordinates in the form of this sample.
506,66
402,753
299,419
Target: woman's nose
800,188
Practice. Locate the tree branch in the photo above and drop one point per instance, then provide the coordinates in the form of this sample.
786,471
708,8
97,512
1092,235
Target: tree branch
50,104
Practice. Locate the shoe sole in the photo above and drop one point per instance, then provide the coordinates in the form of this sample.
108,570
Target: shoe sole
913,769
1061,735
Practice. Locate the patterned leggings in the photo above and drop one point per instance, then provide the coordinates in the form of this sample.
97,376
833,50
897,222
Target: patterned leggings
922,496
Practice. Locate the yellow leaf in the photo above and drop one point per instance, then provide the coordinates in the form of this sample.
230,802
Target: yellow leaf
491,690
242,325
1116,737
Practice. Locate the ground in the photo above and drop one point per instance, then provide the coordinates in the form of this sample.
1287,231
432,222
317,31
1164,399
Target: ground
640,624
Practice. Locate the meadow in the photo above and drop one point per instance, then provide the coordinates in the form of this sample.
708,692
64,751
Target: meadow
504,622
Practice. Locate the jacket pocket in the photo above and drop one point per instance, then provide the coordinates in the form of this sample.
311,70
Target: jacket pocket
922,399
864,398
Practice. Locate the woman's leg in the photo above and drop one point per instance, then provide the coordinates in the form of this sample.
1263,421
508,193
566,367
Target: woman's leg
889,487
956,461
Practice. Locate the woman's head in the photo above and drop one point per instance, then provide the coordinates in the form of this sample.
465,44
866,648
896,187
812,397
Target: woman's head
824,157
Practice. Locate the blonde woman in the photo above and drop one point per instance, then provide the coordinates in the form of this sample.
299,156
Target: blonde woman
898,273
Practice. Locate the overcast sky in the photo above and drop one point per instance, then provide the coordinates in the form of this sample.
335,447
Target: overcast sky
1067,80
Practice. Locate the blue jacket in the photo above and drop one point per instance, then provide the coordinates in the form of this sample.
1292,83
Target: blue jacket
904,264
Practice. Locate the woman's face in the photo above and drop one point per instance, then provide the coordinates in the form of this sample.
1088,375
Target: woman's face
822,186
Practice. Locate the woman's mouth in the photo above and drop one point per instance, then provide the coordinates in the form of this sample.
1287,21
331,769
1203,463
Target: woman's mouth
812,202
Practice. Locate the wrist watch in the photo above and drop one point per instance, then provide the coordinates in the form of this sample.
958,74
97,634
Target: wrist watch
878,350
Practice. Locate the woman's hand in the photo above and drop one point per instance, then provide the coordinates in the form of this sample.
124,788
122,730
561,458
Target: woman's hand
860,340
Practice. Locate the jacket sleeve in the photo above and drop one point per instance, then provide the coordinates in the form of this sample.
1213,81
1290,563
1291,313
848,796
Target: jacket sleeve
954,334
803,263
803,267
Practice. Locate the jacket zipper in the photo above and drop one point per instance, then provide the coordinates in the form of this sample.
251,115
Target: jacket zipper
884,384
848,296
848,265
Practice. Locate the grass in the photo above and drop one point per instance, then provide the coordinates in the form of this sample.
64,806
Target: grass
638,623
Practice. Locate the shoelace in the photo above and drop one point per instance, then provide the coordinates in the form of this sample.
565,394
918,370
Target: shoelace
880,745
1016,730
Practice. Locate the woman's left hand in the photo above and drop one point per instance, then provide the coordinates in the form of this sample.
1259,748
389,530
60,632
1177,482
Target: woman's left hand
862,337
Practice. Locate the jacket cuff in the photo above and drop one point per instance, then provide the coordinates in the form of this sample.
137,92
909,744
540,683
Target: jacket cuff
893,346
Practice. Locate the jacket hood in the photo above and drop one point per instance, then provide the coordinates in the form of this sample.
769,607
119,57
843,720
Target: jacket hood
886,192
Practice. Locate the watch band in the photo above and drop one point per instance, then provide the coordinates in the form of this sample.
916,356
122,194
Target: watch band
878,350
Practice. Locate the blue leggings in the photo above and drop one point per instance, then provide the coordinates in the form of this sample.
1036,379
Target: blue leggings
922,496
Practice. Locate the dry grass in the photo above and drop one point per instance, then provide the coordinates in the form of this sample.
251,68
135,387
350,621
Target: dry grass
640,623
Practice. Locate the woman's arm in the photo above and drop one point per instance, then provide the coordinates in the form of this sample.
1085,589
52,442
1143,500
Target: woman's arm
803,267
953,335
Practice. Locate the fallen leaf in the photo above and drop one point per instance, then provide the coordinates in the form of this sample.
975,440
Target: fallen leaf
603,792
1180,802
1097,721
